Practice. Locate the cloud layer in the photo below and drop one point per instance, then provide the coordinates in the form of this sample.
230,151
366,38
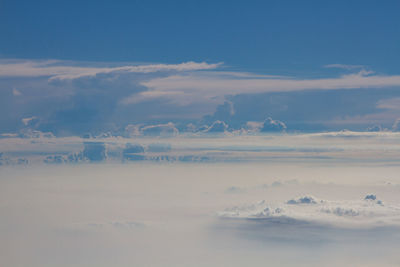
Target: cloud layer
73,98
367,212
69,70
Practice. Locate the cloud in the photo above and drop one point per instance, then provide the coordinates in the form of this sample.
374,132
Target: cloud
369,212
28,121
271,125
396,126
167,129
74,98
344,66
302,200
217,127
194,87
95,151
374,128
65,70
390,104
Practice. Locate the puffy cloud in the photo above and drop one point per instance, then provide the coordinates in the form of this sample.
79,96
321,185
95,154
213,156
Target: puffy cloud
271,125
369,212
370,197
30,133
339,211
253,126
72,98
302,200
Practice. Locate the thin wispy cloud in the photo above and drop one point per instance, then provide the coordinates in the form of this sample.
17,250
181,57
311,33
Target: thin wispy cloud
200,86
390,104
344,66
65,70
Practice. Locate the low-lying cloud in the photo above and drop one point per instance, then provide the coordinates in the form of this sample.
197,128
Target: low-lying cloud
367,212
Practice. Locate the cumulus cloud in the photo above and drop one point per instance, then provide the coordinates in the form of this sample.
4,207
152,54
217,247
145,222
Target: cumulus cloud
271,125
72,98
253,126
369,211
302,200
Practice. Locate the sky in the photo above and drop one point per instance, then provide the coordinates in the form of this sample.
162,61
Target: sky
72,68
199,133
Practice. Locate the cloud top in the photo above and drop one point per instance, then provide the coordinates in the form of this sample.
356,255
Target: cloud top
368,212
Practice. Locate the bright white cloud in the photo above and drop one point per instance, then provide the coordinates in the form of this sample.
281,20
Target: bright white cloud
368,211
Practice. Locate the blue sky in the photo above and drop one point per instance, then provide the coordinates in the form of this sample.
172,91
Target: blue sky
277,36
355,43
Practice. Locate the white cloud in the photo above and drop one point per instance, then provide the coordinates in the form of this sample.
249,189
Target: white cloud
167,129
26,121
367,212
201,87
344,66
69,70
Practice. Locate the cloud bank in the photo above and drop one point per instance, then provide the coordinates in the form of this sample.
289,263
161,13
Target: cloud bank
200,86
74,98
367,212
